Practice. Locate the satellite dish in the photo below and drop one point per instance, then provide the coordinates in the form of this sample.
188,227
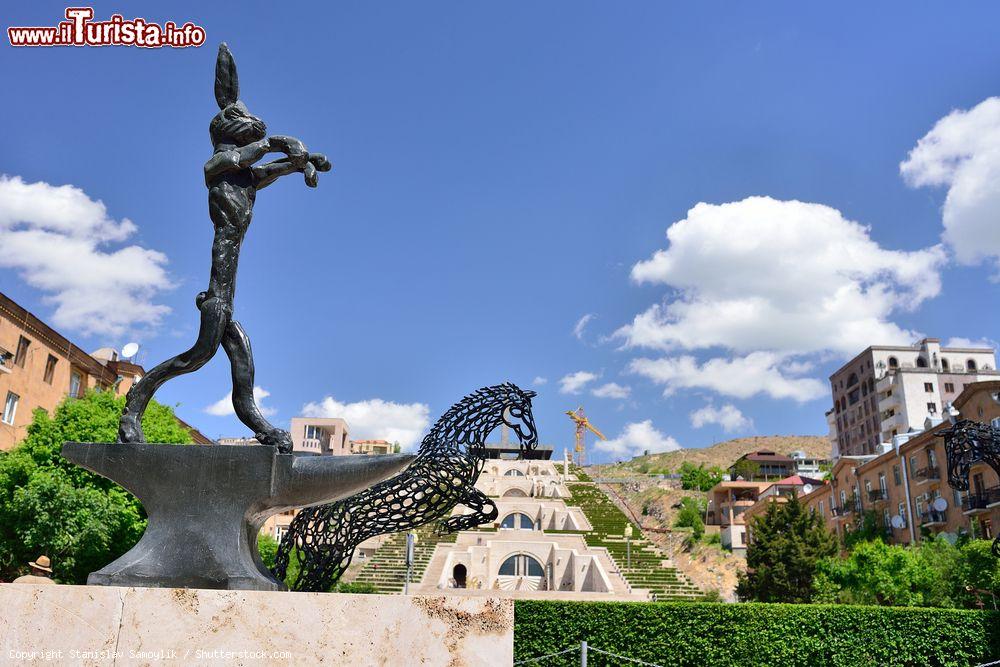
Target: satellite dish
950,538
130,350
896,521
807,488
940,504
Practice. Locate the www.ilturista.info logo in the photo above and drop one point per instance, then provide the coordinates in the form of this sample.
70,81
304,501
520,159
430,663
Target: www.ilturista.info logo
81,30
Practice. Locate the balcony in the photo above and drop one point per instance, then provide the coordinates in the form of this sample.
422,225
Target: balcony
979,503
841,513
928,474
877,495
932,518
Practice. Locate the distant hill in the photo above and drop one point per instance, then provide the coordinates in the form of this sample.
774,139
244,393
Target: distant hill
723,454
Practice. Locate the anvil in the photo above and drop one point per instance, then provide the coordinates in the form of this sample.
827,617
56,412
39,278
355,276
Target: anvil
206,504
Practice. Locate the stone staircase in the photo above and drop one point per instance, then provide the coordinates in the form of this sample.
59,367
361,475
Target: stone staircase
650,568
386,569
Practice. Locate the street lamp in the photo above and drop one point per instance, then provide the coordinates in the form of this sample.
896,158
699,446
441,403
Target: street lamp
628,546
411,540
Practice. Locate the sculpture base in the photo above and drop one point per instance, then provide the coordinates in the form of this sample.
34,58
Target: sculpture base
198,627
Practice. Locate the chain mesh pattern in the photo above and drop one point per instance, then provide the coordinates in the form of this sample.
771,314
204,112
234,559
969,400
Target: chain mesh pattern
450,459
967,443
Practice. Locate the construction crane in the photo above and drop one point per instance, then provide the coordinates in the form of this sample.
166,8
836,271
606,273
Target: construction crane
582,426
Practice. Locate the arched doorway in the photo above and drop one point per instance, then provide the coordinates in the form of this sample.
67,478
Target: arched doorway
521,565
518,520
459,574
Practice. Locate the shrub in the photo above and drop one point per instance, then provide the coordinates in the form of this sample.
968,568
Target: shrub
728,635
698,477
689,516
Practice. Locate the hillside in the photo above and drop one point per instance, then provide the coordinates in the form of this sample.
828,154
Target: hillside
723,454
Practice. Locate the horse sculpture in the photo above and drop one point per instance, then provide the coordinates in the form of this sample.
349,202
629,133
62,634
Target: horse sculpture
449,461
967,443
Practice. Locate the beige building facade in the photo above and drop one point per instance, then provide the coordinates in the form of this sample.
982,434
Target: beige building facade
906,484
890,390
39,367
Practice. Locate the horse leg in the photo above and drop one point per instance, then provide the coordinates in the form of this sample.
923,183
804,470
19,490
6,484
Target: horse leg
484,511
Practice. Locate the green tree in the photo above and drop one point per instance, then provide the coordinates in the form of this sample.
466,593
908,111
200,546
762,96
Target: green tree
867,527
51,506
698,477
892,575
786,543
690,516
745,469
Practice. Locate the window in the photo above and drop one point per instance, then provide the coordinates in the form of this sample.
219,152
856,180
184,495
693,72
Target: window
949,387
886,519
821,508
921,362
932,408
883,487
10,408
521,565
893,362
513,472
314,433
896,476
929,387
22,351
971,364
932,458
945,365
75,383
50,369
518,520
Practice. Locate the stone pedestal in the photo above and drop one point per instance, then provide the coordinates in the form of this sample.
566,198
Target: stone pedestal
98,625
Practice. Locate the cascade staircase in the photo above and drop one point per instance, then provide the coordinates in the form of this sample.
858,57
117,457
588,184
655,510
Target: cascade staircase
386,569
648,564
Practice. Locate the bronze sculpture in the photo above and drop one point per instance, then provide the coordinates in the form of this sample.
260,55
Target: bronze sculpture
233,178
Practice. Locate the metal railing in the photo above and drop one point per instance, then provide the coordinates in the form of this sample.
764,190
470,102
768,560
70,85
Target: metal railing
932,516
981,500
876,495
926,474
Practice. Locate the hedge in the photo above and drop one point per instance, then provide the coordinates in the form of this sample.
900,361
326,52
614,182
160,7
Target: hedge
699,634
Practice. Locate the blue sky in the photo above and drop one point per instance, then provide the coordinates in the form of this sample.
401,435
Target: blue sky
504,170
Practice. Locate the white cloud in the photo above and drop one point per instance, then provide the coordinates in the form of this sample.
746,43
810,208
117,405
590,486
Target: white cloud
729,417
612,390
575,382
962,153
61,242
581,324
740,377
782,276
958,341
405,423
539,381
224,406
636,438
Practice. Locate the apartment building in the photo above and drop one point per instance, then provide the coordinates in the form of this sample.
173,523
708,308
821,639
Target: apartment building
728,502
890,390
373,447
39,367
906,486
762,465
328,436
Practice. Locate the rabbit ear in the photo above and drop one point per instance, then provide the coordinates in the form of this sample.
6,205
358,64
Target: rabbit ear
227,83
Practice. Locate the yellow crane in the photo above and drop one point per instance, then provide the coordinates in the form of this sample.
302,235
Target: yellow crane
582,426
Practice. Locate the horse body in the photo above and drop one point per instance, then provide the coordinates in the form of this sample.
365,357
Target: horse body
444,474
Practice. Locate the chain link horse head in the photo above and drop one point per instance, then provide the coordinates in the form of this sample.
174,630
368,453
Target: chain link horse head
450,459
967,443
